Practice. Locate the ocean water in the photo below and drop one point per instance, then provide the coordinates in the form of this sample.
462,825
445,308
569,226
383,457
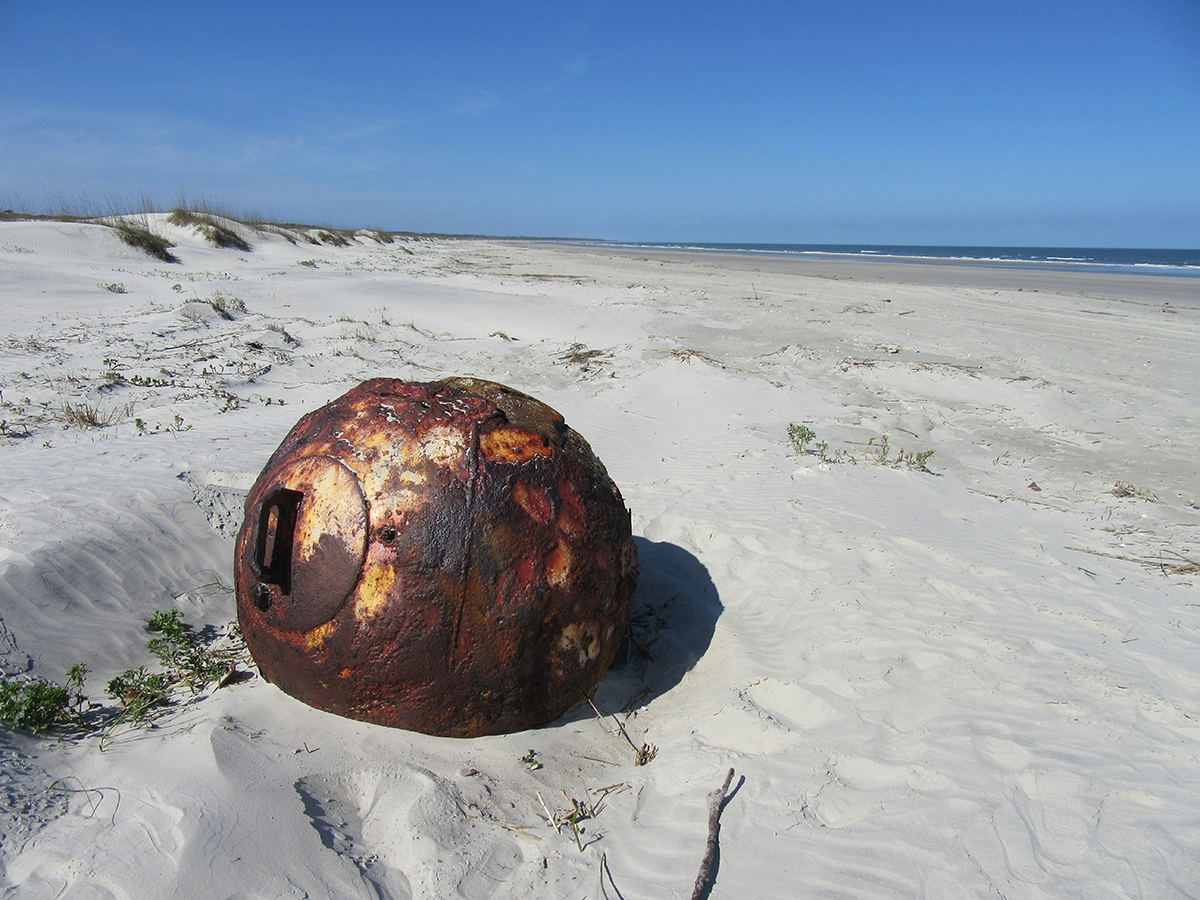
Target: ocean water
1111,259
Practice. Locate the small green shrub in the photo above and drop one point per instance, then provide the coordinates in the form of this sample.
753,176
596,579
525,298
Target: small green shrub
34,704
138,691
39,705
186,659
801,436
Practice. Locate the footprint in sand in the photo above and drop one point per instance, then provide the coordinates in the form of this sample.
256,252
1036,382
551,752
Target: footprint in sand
789,704
336,806
404,830
771,714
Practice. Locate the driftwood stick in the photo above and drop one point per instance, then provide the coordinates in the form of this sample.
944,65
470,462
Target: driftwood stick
715,800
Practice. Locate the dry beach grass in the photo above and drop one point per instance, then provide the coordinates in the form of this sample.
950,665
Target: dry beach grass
973,676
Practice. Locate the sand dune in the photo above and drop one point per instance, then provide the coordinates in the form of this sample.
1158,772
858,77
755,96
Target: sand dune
979,678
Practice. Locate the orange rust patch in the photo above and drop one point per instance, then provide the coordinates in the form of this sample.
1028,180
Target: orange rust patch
513,445
558,565
572,520
534,501
523,567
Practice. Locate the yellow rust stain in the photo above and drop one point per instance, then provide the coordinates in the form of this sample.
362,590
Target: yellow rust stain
374,589
444,445
558,565
583,636
332,505
513,445
404,500
315,638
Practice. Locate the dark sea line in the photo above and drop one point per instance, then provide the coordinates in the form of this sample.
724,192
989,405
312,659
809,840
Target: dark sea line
1110,259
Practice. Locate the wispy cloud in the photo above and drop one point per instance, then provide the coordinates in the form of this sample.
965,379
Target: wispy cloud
475,106
88,145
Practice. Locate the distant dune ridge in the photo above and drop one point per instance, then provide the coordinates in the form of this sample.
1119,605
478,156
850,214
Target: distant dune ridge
918,553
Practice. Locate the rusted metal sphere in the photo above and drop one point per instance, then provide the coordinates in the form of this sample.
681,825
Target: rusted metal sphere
447,557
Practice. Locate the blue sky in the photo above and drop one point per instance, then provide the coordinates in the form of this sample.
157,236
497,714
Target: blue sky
1026,122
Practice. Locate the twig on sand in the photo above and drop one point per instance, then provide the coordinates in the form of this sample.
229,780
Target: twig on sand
1025,500
549,818
605,869
641,755
716,800
1185,565
519,830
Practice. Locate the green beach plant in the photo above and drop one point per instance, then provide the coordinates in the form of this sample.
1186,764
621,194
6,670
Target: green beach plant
38,705
187,660
801,436
877,450
191,660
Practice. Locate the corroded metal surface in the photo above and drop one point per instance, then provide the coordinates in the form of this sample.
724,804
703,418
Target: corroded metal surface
447,557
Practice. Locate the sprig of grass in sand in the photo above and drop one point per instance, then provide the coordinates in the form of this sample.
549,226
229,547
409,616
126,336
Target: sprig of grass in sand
642,755
85,415
804,441
217,232
142,238
579,811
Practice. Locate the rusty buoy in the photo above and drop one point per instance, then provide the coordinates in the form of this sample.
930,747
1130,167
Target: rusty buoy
447,557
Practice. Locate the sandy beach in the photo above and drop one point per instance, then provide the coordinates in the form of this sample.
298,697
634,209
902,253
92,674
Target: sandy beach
976,676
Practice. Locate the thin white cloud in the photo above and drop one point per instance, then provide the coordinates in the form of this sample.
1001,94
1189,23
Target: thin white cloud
475,106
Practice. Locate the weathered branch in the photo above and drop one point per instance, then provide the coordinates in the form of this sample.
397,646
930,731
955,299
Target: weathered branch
715,801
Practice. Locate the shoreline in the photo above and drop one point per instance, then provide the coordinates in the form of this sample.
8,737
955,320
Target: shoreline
1152,288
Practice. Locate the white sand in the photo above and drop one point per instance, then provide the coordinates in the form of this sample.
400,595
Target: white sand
926,686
